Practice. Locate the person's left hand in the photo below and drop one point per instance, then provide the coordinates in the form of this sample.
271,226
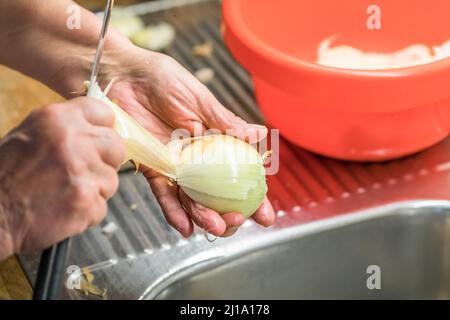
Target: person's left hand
162,96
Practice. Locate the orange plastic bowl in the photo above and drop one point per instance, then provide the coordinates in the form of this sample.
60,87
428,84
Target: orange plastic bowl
347,114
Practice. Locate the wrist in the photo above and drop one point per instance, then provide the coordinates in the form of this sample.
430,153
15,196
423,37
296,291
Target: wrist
65,61
68,81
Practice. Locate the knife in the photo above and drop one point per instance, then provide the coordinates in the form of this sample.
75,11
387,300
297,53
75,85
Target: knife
53,264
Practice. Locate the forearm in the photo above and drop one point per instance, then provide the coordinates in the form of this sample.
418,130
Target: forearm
36,40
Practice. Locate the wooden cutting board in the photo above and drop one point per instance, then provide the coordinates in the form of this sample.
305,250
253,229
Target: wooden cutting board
13,283
19,95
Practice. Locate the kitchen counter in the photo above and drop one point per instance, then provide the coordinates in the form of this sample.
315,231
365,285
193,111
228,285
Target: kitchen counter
19,95
13,283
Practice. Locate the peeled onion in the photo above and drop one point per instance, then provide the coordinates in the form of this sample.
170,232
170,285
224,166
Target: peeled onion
222,173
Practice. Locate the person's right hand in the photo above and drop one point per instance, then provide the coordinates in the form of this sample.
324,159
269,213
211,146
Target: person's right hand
57,169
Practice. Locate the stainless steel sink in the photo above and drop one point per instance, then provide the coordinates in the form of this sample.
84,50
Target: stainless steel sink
406,246
410,246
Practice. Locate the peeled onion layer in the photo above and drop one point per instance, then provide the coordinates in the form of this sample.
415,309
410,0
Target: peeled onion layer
352,58
141,146
222,205
230,181
220,172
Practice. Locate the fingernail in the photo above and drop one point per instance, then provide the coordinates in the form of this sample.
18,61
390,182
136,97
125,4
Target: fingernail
258,126
230,231
255,132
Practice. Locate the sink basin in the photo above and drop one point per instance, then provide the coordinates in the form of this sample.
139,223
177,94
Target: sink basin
410,246
393,251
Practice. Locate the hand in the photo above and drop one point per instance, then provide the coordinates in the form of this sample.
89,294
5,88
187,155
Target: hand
162,96
152,87
57,169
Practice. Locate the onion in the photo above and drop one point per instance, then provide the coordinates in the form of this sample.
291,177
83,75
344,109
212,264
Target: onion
220,172
125,21
352,58
154,37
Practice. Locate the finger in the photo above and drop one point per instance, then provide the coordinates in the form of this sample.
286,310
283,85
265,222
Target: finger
205,218
110,146
218,117
98,212
95,111
166,194
265,215
233,221
108,180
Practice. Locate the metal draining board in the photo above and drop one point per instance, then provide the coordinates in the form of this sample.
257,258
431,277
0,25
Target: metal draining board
307,188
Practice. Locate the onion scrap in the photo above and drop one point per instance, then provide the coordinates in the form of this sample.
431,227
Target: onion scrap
351,58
